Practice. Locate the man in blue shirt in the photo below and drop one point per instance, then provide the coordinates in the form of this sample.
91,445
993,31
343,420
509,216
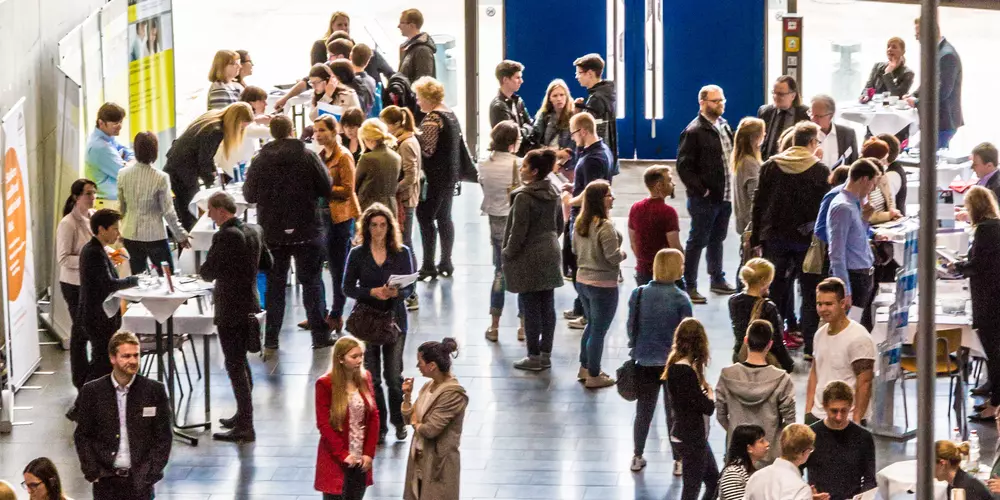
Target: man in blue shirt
105,156
594,163
851,257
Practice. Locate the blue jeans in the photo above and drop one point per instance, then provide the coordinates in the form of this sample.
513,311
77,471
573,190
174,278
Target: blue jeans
709,225
944,138
499,290
599,305
406,225
338,245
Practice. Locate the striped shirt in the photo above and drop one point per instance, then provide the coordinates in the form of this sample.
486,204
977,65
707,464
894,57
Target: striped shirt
733,482
221,94
144,202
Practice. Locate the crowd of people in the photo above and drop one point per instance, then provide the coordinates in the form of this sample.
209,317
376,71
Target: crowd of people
384,153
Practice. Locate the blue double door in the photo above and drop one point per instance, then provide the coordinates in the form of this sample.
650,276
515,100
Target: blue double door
659,52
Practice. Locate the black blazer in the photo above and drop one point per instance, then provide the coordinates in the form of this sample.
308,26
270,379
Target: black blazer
98,280
768,112
846,138
994,184
236,255
147,418
192,156
983,270
700,162
897,83
974,488
949,87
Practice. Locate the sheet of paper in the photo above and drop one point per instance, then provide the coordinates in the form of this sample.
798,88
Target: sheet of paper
329,109
855,313
402,280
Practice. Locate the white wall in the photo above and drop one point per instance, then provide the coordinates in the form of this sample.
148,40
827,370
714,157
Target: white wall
29,33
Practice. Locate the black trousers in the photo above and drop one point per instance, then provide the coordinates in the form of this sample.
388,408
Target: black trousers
699,467
308,269
862,293
990,338
354,485
539,311
100,363
787,259
183,194
385,362
121,488
650,384
434,216
78,364
233,339
156,252
809,320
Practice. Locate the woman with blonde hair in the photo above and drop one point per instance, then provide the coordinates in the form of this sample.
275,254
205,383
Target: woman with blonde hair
339,21
598,248
693,402
982,267
378,255
751,304
654,311
402,125
745,163
947,461
441,145
193,155
552,121
225,89
329,83
377,177
348,422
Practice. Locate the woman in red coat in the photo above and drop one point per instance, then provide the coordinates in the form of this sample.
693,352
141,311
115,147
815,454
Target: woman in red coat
348,423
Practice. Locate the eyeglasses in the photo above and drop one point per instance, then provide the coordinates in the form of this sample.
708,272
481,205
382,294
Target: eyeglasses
30,486
781,94
571,134
715,101
824,115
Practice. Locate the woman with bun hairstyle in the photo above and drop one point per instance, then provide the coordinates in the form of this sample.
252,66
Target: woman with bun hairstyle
377,176
947,458
404,127
434,464
348,422
752,303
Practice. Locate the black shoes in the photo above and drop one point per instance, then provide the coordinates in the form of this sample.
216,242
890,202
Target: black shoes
400,433
427,274
71,413
228,423
323,343
381,436
446,270
236,436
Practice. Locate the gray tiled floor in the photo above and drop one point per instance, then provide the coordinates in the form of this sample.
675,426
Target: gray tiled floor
526,435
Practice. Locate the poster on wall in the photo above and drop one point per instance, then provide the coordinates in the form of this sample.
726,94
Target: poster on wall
151,69
16,248
114,67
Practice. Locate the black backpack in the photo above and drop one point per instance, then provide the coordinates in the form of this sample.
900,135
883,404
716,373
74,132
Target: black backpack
398,93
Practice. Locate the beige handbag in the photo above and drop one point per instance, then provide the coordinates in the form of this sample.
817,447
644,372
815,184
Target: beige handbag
758,308
515,179
815,256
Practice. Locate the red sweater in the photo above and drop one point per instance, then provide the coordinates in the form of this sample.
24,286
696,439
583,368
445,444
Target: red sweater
334,445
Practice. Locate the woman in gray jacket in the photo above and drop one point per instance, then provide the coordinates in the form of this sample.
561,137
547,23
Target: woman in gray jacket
599,254
378,169
531,255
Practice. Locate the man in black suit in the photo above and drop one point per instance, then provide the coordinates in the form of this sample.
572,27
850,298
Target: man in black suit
98,280
949,89
702,153
786,110
984,163
838,142
236,255
123,433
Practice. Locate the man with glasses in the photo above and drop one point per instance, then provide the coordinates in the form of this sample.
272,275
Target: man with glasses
416,54
842,463
702,162
839,143
786,110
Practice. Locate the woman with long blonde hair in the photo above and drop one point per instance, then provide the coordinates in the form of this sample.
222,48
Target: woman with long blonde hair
745,163
193,154
348,422
224,74
552,120
693,401
339,21
377,177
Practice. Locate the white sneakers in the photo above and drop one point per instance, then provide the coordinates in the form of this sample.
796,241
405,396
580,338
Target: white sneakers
638,463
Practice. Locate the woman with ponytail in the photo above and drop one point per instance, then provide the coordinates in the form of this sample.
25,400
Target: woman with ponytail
379,167
402,124
348,422
72,234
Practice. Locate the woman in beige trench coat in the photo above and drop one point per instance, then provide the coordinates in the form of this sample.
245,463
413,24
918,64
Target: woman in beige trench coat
432,471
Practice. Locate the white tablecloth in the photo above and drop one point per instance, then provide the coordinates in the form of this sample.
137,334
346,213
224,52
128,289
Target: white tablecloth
205,229
200,200
955,240
895,481
160,301
884,119
187,319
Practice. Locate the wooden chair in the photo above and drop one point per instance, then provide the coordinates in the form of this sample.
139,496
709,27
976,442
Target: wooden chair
947,362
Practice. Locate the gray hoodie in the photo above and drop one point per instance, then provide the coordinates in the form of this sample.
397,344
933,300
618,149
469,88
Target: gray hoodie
416,57
764,396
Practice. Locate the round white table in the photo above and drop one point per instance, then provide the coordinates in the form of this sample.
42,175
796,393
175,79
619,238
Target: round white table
881,119
200,200
898,481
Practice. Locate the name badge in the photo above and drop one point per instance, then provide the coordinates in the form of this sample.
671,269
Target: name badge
149,411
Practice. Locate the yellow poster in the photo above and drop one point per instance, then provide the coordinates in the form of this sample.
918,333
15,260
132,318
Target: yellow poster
151,67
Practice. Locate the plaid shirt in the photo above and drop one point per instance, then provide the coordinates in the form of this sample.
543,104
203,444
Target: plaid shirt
722,127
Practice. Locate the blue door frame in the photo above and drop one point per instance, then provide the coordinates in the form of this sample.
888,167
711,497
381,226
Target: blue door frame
705,42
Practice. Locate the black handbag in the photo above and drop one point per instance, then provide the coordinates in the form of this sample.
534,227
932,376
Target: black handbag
254,331
467,171
627,375
371,325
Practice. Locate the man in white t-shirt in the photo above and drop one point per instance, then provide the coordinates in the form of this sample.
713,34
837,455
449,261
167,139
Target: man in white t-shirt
842,350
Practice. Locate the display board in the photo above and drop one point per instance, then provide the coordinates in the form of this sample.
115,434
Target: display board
17,250
93,82
151,70
114,65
